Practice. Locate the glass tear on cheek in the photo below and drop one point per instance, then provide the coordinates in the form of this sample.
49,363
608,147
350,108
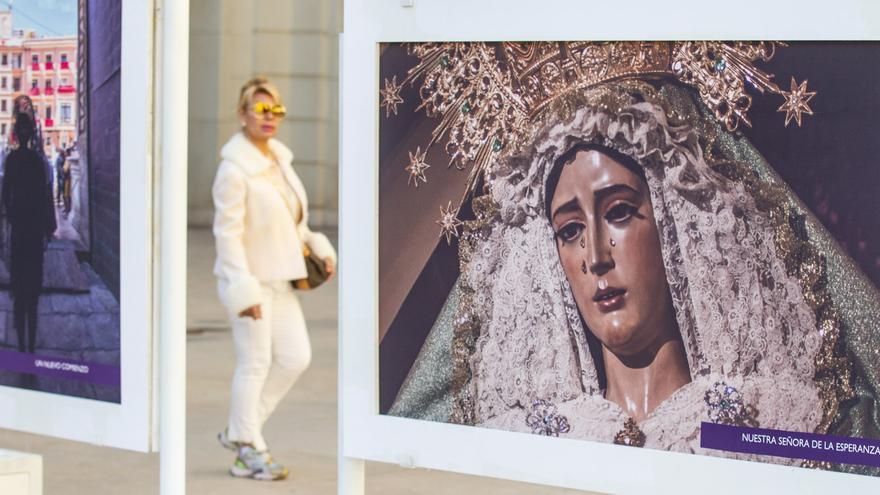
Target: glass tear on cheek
584,267
583,242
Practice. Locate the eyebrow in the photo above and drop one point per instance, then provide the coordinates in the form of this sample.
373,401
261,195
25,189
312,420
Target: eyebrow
567,207
612,189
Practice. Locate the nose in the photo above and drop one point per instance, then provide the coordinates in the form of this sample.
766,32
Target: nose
599,252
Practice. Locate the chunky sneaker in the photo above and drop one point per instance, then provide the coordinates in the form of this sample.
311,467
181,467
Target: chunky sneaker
223,438
257,465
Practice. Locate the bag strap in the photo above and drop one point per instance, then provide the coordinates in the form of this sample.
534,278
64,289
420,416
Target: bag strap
286,198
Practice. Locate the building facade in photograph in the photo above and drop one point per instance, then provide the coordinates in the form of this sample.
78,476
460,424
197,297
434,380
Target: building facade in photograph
44,68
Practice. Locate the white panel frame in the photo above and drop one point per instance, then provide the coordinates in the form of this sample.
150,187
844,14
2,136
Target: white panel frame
367,435
128,424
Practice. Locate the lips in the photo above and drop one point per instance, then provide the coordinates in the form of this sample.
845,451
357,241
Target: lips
267,128
610,298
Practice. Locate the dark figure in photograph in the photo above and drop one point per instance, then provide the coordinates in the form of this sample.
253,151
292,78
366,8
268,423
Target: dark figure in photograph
59,175
27,203
66,181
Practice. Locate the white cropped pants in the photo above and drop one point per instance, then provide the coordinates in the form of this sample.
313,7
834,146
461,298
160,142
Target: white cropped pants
271,354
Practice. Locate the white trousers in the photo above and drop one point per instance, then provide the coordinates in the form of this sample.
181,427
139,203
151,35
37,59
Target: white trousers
271,354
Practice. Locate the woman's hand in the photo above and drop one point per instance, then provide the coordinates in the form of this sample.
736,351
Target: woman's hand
330,266
252,312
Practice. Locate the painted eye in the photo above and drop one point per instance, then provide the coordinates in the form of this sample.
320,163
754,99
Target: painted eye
620,212
570,231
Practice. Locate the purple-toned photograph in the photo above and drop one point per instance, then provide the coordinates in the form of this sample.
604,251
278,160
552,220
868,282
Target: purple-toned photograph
664,245
59,203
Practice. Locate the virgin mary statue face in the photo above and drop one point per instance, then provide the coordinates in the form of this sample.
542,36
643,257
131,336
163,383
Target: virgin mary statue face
610,250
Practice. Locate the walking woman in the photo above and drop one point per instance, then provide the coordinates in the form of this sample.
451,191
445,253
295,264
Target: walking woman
27,203
261,231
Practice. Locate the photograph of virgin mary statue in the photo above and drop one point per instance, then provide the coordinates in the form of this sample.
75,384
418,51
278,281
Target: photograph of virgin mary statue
618,242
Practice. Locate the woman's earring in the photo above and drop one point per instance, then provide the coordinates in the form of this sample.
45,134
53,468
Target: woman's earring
613,243
584,267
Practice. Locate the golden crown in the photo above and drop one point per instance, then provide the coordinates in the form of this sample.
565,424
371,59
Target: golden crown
486,95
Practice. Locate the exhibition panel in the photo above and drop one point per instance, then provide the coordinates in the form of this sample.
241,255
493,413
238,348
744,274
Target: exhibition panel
659,255
77,252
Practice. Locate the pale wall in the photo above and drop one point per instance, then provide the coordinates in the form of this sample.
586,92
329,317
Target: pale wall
294,43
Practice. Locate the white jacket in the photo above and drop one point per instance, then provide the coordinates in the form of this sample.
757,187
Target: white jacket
257,238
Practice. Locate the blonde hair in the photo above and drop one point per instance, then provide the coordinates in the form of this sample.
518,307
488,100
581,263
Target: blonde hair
256,85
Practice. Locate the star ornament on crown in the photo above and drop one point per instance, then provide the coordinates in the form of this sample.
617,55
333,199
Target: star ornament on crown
449,222
391,96
796,102
487,97
417,167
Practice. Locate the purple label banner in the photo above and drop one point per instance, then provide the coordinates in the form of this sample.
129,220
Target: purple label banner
56,367
792,444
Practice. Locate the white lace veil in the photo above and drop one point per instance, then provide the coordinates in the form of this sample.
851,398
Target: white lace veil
748,289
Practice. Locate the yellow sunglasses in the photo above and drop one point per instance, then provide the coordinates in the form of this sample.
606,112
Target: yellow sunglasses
262,108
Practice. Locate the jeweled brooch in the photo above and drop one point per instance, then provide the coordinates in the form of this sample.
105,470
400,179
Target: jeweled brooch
544,419
727,406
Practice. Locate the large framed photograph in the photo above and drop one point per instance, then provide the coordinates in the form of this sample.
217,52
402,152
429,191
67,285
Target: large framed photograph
594,256
76,234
